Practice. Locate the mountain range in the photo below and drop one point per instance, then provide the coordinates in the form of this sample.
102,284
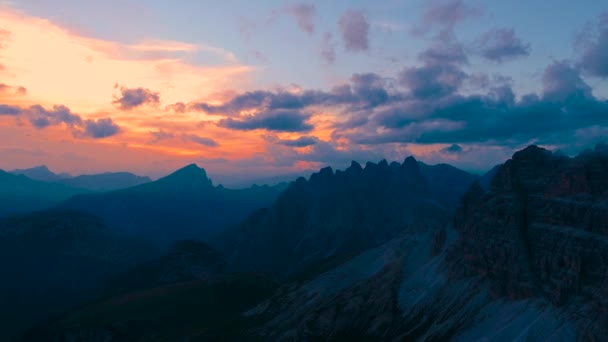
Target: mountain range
334,215
399,251
101,182
182,205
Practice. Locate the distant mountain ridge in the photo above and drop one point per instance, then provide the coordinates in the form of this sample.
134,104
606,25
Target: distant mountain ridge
41,173
19,194
182,205
106,181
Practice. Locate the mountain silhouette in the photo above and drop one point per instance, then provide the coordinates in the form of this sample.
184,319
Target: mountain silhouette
107,181
19,194
337,215
55,260
41,173
523,260
182,205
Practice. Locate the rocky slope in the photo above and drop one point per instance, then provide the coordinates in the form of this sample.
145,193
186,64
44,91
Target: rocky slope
525,260
541,232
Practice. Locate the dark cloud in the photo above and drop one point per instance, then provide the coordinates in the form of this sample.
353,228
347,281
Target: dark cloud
354,27
101,128
279,121
594,58
328,49
304,15
9,110
501,44
299,142
132,98
41,118
566,107
363,91
432,81
201,140
453,149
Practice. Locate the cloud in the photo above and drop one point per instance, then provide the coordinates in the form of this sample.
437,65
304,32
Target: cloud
363,91
304,15
432,81
4,88
160,135
201,140
444,52
501,44
354,28
279,121
132,98
101,128
303,141
561,80
41,118
594,57
9,110
328,49
446,14
178,107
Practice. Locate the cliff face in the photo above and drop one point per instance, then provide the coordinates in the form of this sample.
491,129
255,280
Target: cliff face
525,260
541,231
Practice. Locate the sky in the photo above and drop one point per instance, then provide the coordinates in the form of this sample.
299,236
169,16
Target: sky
250,89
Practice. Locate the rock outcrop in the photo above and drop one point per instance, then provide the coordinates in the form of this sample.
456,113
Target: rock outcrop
541,231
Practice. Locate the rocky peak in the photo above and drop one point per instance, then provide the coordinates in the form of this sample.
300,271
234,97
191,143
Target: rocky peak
410,166
323,176
383,164
191,174
354,168
540,232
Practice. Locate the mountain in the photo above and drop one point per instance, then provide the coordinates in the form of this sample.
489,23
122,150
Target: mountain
200,310
56,260
486,179
525,260
19,194
182,205
41,173
334,216
106,181
186,260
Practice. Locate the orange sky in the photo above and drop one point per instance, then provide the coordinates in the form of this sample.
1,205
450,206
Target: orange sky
58,66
